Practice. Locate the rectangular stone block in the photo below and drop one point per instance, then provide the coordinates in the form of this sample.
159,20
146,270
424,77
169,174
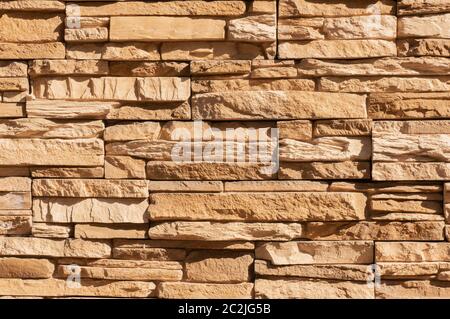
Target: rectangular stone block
166,29
58,152
30,27
89,210
292,206
90,188
326,252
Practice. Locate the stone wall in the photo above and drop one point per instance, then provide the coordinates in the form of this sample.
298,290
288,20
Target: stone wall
93,204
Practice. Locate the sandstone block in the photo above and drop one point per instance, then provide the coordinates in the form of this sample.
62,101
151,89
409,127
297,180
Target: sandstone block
25,268
412,252
90,188
311,289
410,171
326,252
225,231
89,210
68,172
15,225
177,290
276,105
414,7
48,50
13,69
81,152
207,171
124,167
408,105
28,246
149,68
30,27
111,231
343,128
50,231
324,170
165,29
258,28
422,47
413,289
216,67
336,49
335,272
275,186
365,230
98,34
113,88
89,288
218,266
185,186
290,206
431,26
172,8
306,8
132,131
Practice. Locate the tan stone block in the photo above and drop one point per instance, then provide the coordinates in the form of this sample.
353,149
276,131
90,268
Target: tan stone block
13,69
413,7
185,244
343,128
211,50
149,68
408,105
381,128
79,210
402,270
60,109
32,5
113,88
173,8
326,149
295,130
11,110
233,85
326,252
336,49
336,271
58,152
13,84
207,171
311,289
291,206
218,266
52,67
166,29
15,184
88,288
177,290
90,188
111,231
412,252
68,172
385,84
99,34
15,225
15,200
162,112
413,289
42,128
48,50
275,186
430,26
306,8
365,230
77,22
149,253
406,206
25,268
30,27
411,171
166,271
277,105
422,47
324,170
132,131
124,167
185,186
43,230
226,231
258,28
215,67
29,246
370,67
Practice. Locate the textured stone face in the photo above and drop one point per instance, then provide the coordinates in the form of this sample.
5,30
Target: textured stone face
185,149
